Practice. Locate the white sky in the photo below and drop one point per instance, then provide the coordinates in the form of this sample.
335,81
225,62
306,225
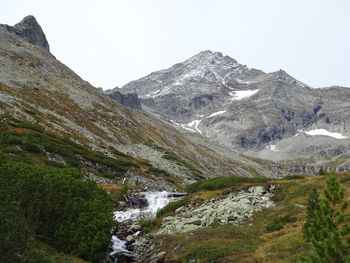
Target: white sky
111,42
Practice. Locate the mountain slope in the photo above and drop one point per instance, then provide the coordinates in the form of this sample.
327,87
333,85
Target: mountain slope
37,88
245,109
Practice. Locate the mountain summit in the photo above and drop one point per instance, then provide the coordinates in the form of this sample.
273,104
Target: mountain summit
254,112
30,30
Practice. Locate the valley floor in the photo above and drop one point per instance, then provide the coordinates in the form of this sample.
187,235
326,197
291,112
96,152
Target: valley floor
272,235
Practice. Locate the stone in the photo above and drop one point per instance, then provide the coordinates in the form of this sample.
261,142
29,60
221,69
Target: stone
299,206
135,228
31,31
195,222
158,255
232,218
130,100
130,238
234,208
179,209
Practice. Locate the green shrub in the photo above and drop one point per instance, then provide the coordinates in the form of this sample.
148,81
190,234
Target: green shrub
223,182
157,171
279,222
170,208
13,229
54,163
118,196
293,177
209,250
34,140
148,225
170,156
145,162
72,214
9,138
275,225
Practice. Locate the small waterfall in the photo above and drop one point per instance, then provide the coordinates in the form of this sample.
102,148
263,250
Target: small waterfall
156,201
132,214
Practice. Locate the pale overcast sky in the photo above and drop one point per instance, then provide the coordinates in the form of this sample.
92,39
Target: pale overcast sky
110,43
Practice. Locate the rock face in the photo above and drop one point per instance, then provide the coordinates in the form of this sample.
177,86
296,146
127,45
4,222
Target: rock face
242,108
31,31
232,208
130,100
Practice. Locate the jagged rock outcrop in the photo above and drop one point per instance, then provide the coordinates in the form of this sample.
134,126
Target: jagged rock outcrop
30,30
130,100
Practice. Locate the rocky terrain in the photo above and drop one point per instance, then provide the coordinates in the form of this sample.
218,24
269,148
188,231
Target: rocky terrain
249,110
129,100
231,208
221,133
37,88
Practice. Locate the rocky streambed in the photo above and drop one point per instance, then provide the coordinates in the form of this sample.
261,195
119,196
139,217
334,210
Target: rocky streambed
129,243
231,207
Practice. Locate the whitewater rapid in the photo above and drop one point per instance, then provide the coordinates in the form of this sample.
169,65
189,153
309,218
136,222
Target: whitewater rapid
156,201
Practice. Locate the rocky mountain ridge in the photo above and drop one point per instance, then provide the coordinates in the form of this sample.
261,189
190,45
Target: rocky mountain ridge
249,110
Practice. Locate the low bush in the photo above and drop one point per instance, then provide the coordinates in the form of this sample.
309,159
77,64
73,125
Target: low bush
209,250
293,177
33,140
223,182
149,225
72,214
13,229
157,171
170,208
279,222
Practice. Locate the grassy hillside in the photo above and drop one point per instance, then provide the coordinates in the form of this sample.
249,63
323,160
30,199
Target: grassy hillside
29,143
272,235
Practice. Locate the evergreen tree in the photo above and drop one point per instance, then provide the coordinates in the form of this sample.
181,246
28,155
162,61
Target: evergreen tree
312,208
328,231
321,171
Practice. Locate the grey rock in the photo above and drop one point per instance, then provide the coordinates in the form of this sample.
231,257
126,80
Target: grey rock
158,255
234,208
195,222
31,31
300,206
130,100
130,238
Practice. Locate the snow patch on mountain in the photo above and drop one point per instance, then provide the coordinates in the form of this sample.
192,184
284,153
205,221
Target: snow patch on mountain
324,132
153,94
272,148
191,126
194,124
216,113
242,94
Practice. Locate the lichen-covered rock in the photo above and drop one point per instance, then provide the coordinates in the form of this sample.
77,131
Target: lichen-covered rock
232,208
